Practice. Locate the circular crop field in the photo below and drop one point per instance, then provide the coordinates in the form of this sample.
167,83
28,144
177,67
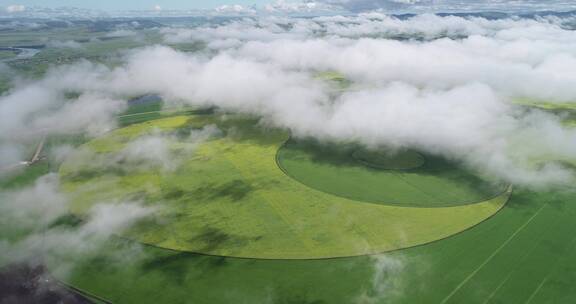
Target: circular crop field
227,196
405,178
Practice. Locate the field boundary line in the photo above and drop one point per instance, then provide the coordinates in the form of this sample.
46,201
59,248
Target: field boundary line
139,113
499,286
82,292
493,255
535,292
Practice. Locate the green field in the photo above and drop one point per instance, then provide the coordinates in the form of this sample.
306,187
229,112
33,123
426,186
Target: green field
524,254
230,198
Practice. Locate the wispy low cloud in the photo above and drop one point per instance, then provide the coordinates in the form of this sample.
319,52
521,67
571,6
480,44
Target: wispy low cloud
15,8
386,282
38,109
35,206
235,9
300,7
42,228
150,151
68,44
91,114
153,150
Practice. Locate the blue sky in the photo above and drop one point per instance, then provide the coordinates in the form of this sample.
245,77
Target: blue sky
131,4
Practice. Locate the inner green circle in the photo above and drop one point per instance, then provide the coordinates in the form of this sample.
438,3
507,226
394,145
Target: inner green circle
405,178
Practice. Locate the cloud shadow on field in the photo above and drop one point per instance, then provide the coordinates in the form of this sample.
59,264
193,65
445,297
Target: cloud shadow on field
85,175
69,220
102,263
214,238
284,295
175,264
250,130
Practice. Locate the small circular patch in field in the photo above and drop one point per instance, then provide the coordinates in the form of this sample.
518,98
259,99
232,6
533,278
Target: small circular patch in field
397,160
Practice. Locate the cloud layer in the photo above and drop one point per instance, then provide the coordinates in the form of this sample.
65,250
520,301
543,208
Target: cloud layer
444,85
451,5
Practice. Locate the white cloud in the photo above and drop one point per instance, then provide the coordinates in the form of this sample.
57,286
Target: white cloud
386,282
91,114
447,92
34,207
234,9
151,151
15,8
298,7
157,150
451,5
429,110
69,44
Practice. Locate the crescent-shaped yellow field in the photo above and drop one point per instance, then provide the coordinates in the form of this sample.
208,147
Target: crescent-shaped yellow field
227,196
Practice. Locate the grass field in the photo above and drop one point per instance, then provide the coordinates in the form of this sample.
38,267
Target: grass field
524,254
230,198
